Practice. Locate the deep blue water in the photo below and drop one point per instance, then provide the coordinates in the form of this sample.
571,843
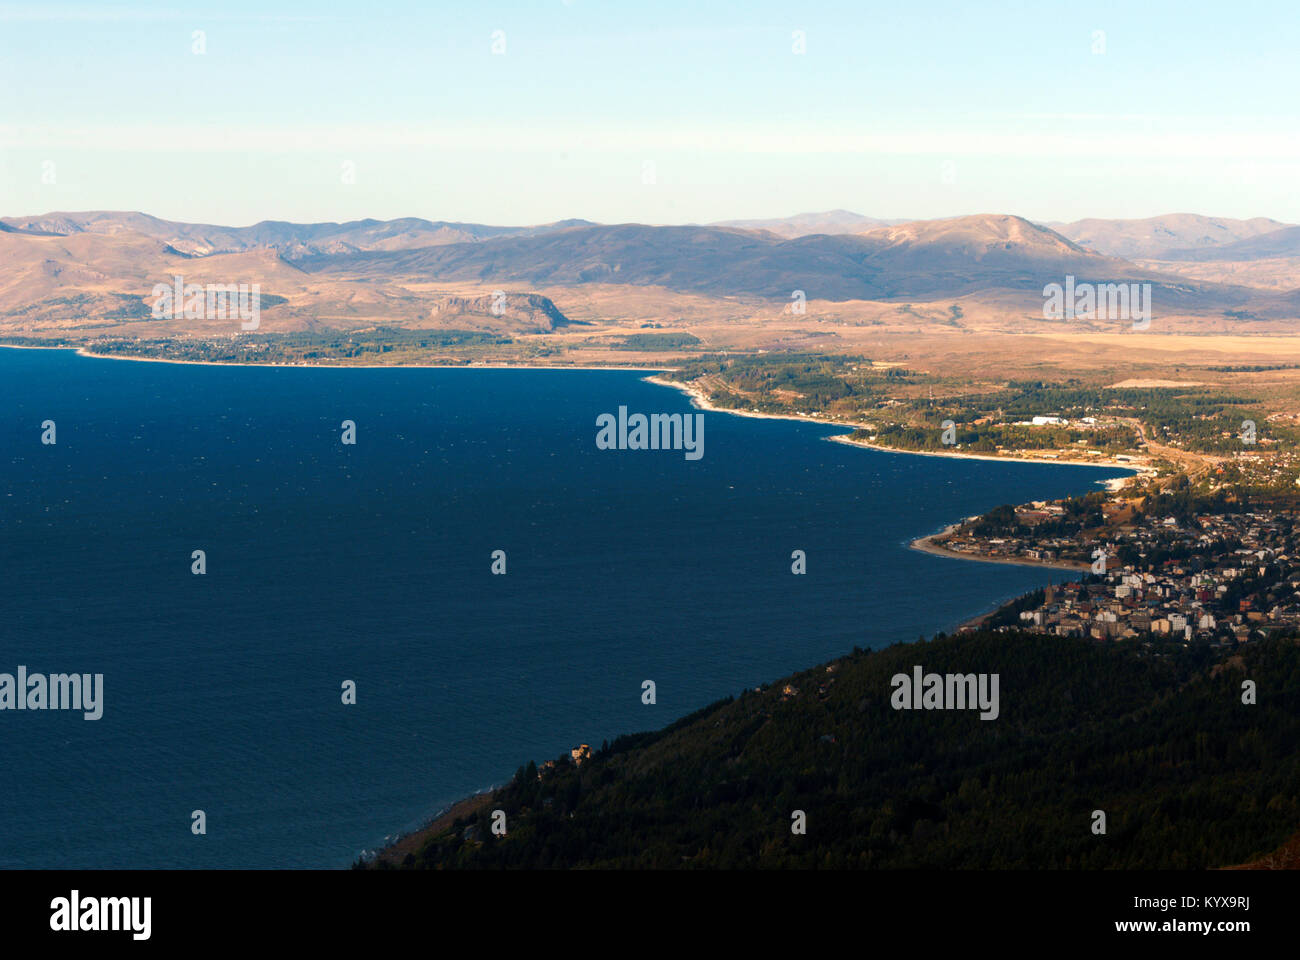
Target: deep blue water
371,563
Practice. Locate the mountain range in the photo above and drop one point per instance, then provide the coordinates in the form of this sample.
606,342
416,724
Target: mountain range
290,239
93,268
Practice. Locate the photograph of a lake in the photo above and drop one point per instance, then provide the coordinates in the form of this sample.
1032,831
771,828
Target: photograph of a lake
371,563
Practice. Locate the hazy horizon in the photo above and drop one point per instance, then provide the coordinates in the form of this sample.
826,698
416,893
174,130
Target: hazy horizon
671,114
32,215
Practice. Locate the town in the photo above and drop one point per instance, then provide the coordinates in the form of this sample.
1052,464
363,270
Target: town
1174,572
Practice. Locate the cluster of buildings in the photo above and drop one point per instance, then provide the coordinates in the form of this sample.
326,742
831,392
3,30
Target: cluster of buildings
1276,468
1222,578
1051,420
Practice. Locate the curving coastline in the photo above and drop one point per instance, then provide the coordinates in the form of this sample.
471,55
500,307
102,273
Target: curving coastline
700,400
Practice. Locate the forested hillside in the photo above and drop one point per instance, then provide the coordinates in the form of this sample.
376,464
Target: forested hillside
1156,737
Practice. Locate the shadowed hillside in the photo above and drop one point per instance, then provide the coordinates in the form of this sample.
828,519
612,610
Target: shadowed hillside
1156,737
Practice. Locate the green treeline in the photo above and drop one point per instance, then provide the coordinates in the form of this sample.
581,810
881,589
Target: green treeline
1081,513
1195,418
1155,736
656,341
821,382
396,344
987,438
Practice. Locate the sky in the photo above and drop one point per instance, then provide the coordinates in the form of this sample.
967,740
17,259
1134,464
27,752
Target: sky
665,112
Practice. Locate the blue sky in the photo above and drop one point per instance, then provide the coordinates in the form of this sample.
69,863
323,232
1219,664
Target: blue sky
661,112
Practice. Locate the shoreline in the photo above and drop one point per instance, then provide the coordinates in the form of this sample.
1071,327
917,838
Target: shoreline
697,396
394,853
701,401
927,544
410,843
83,352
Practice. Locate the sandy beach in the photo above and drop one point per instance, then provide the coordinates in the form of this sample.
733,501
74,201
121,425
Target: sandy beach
1137,467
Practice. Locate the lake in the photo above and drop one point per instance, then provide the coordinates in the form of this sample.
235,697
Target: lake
371,562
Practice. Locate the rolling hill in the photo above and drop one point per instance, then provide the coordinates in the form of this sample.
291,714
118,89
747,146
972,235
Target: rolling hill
1158,238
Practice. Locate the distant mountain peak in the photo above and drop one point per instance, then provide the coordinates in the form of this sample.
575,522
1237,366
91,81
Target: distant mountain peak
808,224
